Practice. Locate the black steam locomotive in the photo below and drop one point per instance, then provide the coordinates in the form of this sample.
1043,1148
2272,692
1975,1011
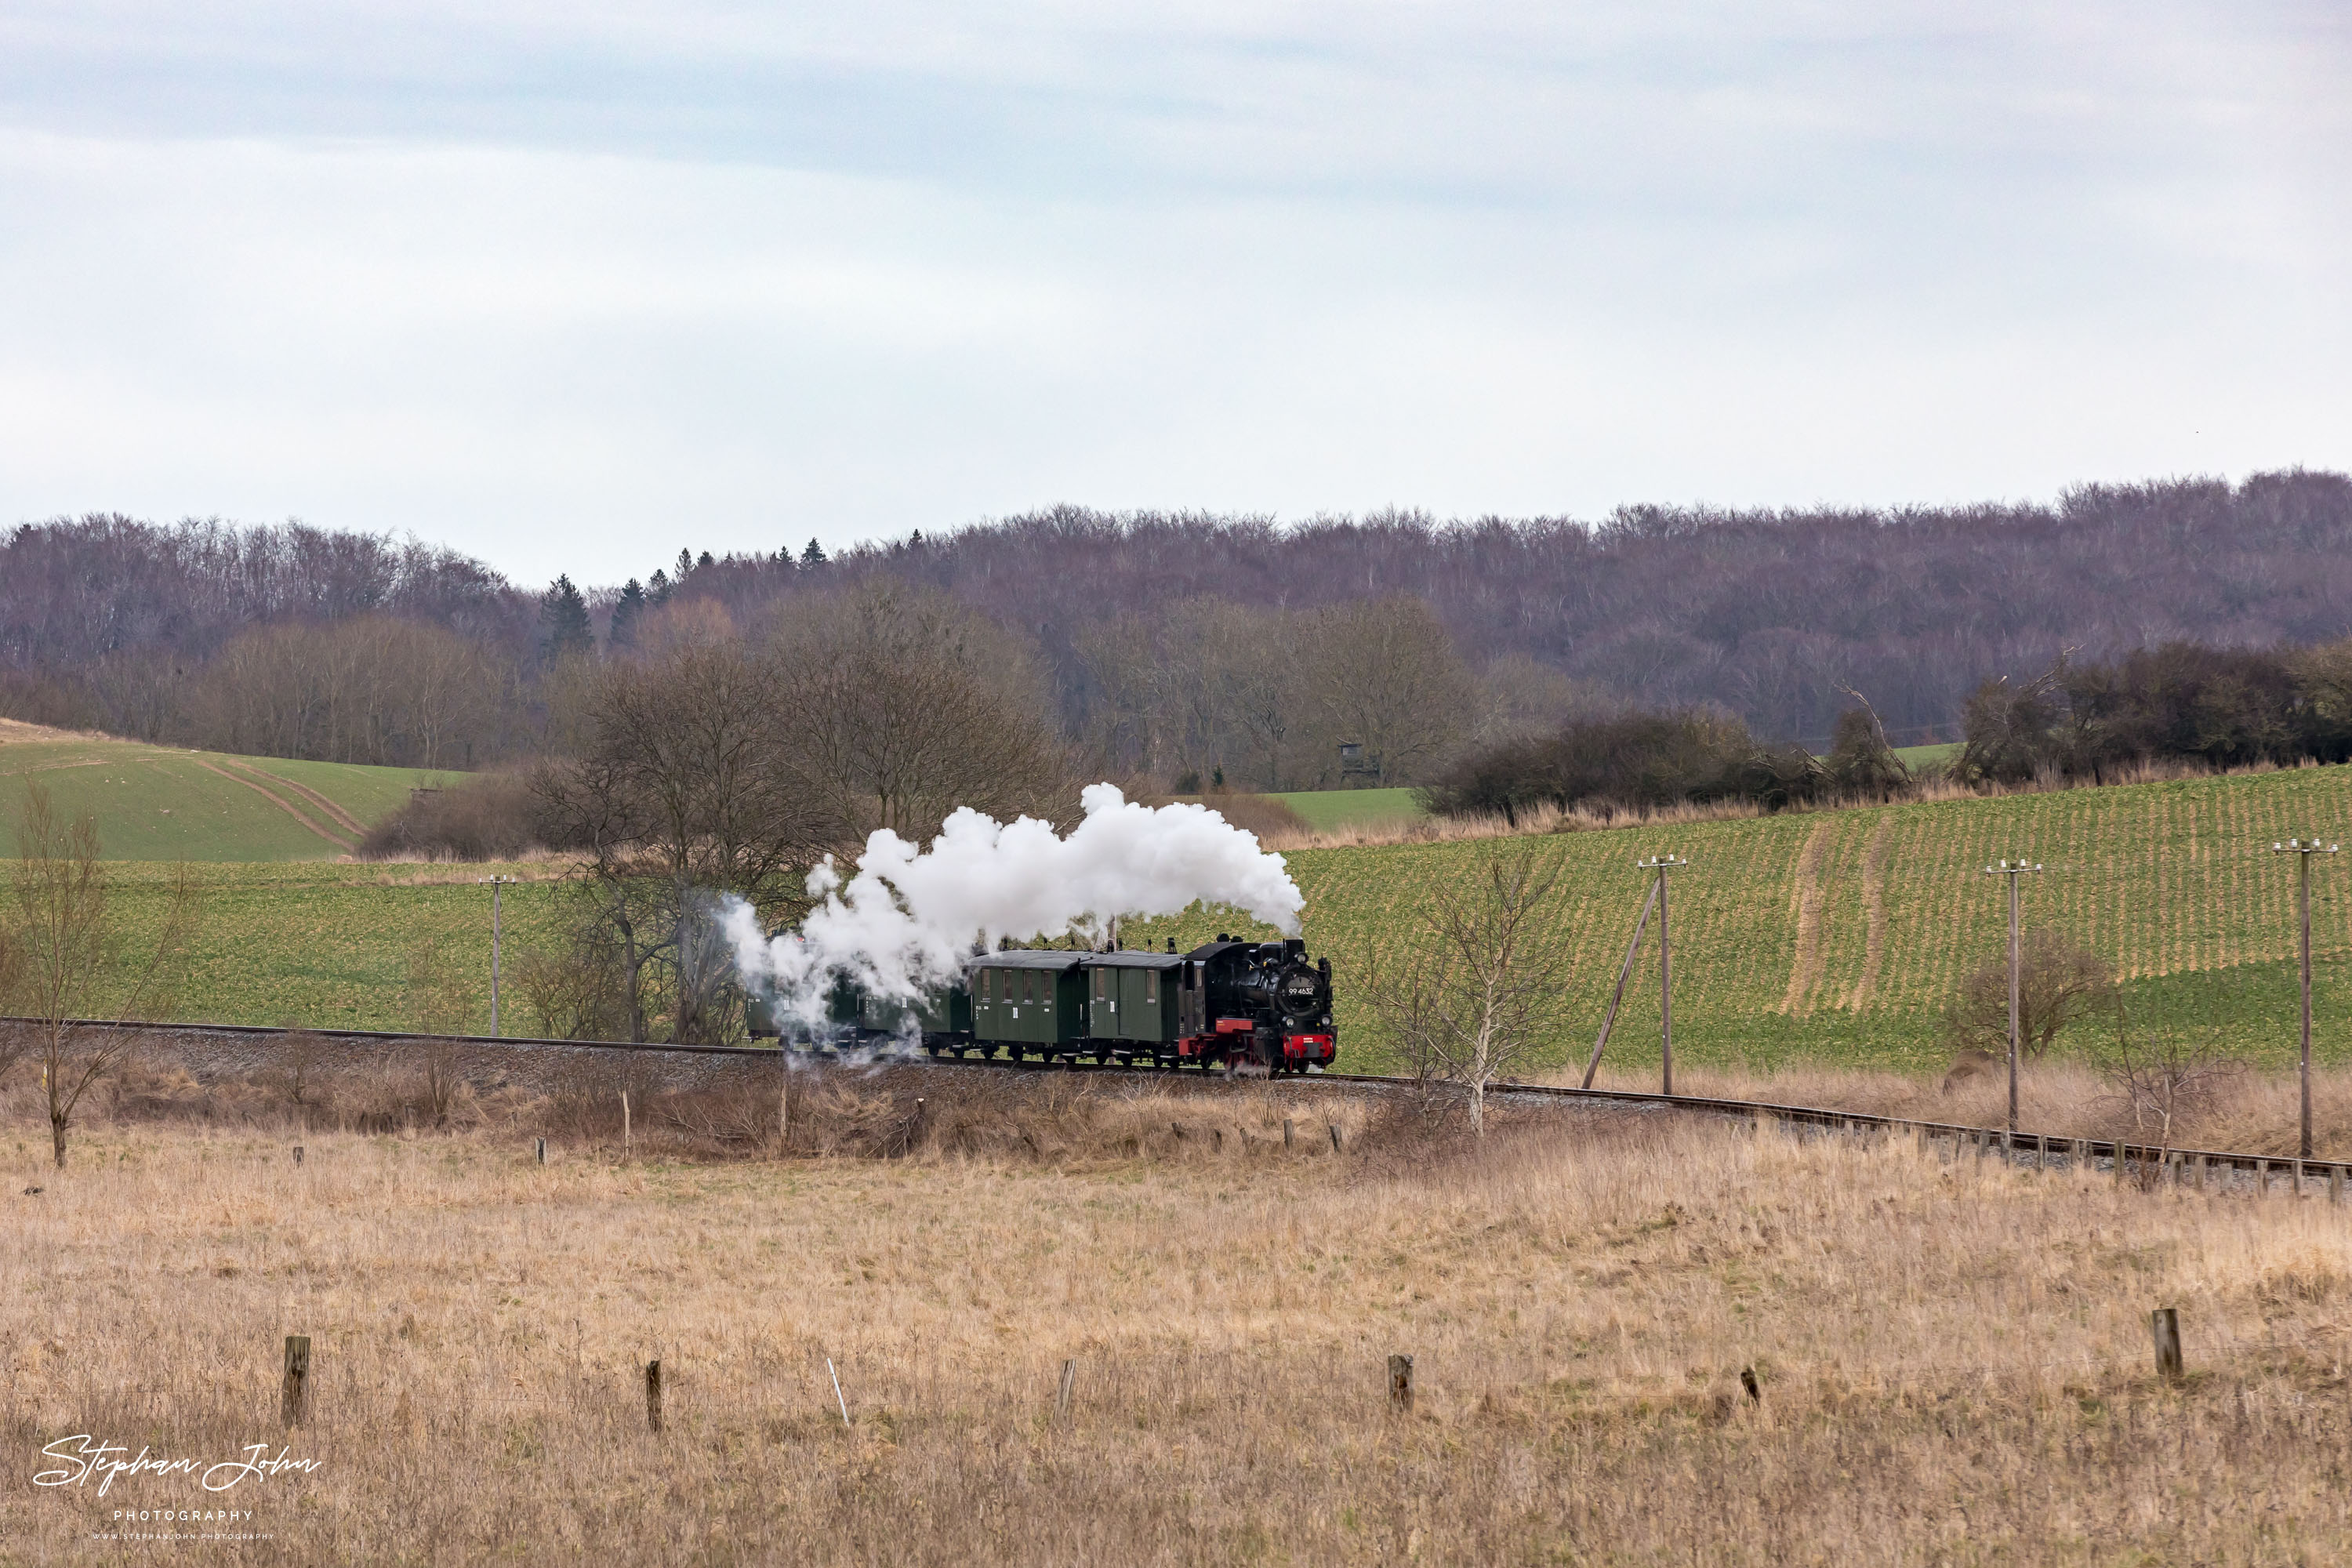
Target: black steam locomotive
1256,1006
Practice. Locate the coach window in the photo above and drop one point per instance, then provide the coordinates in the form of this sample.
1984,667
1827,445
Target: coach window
1150,986
1028,985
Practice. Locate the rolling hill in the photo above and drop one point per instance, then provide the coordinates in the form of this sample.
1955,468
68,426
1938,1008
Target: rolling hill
159,802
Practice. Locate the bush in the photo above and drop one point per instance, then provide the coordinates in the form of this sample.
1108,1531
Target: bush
2058,982
490,816
1637,759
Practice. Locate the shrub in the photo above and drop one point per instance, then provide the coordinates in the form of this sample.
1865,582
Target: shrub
2058,982
490,816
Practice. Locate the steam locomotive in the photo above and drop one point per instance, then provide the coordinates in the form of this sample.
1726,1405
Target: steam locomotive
1255,1005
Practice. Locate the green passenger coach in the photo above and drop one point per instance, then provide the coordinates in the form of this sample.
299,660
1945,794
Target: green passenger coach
1028,999
1132,998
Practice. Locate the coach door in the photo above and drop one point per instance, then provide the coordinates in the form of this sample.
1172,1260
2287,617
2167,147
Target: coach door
1191,1010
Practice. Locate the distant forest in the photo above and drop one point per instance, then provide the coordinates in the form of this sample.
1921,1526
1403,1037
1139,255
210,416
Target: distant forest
1174,644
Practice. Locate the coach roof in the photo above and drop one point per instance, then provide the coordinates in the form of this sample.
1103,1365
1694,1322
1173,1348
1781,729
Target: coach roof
1029,957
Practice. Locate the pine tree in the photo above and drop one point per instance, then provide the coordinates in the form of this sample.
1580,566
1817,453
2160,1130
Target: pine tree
623,632
564,614
703,560
658,587
814,556
685,564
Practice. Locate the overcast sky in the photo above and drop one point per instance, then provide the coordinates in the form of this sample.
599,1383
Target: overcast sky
571,286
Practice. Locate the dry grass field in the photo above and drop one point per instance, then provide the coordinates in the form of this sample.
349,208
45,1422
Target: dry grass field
1952,1358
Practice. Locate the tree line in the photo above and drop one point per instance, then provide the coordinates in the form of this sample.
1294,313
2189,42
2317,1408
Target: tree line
2180,701
2079,720
1181,643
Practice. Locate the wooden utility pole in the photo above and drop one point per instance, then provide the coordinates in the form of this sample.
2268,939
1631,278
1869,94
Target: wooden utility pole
2302,849
1663,864
2012,869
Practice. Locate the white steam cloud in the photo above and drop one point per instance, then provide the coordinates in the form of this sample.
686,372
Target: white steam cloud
904,921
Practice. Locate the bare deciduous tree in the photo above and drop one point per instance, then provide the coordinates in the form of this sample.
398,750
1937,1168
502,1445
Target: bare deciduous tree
1468,1001
896,707
371,690
68,960
687,788
2059,983
2163,1077
1386,675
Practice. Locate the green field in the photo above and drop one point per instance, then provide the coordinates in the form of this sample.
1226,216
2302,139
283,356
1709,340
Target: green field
1326,809
1841,936
159,802
1836,935
327,945
1934,756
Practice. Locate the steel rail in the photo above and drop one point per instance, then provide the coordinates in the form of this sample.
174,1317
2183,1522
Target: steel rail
1985,1138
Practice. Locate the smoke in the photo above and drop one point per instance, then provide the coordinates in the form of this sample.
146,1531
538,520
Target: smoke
904,920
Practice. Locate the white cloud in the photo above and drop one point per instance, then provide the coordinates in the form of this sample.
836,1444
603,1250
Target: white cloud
572,287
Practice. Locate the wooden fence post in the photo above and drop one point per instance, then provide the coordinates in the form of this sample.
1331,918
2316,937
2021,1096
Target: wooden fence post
2335,1183
2166,1323
2119,1162
653,1395
542,1150
2262,1177
1289,1133
624,1129
298,1154
1069,1382
1336,1147
294,1394
1400,1383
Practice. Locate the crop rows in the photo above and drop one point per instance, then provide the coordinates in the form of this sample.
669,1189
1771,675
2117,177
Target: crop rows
1846,933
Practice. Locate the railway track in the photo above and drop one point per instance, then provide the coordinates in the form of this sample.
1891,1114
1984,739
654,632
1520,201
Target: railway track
2177,1164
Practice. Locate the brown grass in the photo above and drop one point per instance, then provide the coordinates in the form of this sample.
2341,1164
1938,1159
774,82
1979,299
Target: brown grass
2243,1113
1953,1357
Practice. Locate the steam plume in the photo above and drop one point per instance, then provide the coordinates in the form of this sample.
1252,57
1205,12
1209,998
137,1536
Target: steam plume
903,921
